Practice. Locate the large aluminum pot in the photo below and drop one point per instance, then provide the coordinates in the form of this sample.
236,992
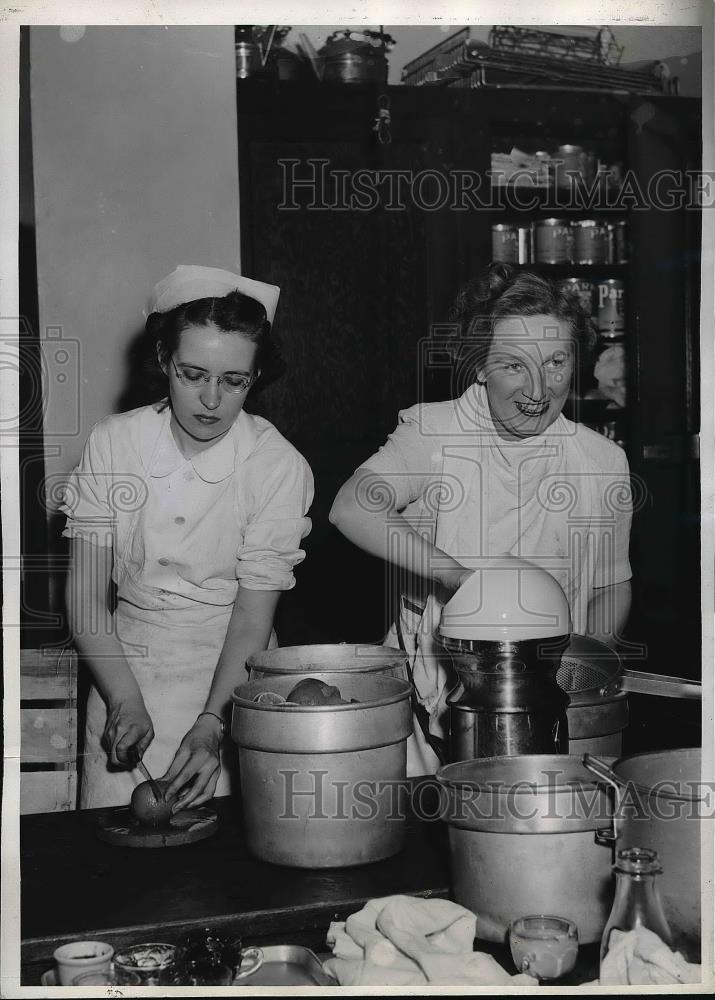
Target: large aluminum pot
522,840
319,783
659,804
360,658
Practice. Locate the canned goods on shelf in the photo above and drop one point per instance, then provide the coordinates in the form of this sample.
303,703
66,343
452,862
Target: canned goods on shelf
552,241
525,247
570,163
505,243
545,168
570,154
590,242
618,242
583,287
610,308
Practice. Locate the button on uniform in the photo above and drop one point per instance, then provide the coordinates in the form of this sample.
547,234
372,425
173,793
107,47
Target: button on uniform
163,561
179,520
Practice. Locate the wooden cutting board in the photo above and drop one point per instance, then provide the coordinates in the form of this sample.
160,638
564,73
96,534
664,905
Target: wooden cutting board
119,827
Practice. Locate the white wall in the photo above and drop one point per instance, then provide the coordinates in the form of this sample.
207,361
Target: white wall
135,171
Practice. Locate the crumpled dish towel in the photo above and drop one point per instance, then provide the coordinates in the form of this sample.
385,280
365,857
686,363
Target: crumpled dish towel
404,941
640,958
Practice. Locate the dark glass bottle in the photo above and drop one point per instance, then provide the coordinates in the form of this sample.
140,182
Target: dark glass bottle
636,903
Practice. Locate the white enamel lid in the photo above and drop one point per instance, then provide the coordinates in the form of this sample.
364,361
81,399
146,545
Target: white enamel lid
507,599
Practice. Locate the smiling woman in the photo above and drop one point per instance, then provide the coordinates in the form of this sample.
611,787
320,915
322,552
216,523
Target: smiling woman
528,373
196,510
498,470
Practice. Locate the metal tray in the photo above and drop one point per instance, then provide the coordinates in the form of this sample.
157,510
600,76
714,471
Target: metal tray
288,965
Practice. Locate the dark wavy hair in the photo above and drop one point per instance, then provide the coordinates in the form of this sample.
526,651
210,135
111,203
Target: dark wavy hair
503,292
232,313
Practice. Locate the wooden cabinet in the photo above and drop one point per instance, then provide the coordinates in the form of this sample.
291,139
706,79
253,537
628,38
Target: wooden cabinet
367,284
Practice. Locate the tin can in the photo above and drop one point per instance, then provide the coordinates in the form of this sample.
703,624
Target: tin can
584,289
552,241
505,243
570,162
545,168
571,155
610,308
590,242
618,242
524,239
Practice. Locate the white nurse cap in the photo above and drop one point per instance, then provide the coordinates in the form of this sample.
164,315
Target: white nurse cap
191,281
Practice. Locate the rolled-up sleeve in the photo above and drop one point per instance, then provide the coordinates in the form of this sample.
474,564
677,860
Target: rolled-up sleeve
85,501
276,524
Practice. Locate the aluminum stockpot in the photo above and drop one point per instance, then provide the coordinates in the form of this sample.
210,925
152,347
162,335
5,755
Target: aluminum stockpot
319,783
361,658
661,807
522,840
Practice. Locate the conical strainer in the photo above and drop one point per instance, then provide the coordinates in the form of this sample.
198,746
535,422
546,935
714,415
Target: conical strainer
590,670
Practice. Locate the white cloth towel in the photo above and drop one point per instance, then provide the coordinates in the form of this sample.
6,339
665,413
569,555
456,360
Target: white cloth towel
403,941
640,958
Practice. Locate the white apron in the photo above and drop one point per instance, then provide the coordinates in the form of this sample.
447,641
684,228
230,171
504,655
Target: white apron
173,662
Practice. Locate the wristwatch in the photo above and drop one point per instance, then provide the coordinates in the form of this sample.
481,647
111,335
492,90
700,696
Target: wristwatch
222,724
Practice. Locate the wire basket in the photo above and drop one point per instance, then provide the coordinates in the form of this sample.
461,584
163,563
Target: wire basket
599,48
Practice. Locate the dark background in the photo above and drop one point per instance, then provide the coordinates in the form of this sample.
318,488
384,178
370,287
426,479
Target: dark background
362,293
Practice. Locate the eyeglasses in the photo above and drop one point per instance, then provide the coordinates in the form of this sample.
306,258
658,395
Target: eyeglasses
196,377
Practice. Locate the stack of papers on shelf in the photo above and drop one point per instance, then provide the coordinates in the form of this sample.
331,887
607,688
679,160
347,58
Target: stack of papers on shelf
519,168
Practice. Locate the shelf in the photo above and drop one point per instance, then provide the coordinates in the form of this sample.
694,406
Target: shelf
593,271
556,201
598,406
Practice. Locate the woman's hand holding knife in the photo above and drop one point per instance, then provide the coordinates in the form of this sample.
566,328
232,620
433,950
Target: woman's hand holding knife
128,731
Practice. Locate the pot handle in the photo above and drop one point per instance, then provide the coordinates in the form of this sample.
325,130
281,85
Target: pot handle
605,836
640,682
601,769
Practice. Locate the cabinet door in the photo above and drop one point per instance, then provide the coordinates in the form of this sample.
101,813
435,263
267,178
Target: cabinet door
664,296
362,279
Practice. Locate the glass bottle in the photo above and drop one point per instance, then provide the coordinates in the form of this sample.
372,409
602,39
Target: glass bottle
636,902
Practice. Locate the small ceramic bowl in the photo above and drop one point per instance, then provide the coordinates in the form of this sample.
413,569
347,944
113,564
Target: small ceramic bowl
152,962
81,956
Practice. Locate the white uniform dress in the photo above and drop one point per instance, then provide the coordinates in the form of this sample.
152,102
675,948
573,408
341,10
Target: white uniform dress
561,499
185,534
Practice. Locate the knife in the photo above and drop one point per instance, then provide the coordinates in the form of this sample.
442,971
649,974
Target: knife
136,761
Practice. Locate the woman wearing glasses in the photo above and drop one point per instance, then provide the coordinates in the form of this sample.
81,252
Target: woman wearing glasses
194,509
498,470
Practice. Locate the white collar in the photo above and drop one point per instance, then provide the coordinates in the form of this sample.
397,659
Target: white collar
162,457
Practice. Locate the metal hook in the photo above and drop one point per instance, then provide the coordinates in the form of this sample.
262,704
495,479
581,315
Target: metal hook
383,120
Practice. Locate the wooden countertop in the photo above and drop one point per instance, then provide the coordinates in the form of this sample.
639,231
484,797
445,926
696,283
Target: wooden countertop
74,886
